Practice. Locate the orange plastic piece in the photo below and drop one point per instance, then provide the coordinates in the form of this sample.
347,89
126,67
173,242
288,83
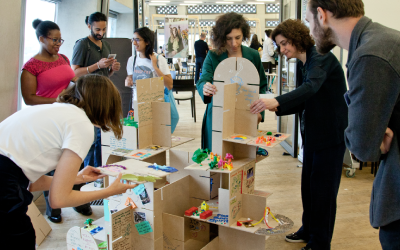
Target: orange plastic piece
190,211
206,214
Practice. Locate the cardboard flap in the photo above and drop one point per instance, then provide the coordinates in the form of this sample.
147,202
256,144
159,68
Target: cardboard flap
217,118
253,206
231,239
41,226
218,98
213,245
146,136
173,226
161,113
245,122
162,135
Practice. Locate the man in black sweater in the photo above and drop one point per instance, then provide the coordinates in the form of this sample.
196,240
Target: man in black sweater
201,49
323,118
373,74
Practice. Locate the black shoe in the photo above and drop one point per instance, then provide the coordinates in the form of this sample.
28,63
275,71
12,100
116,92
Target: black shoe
85,211
294,237
55,219
306,248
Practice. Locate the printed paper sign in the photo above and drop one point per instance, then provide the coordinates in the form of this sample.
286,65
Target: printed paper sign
139,189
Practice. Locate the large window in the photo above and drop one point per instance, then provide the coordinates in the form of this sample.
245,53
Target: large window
35,9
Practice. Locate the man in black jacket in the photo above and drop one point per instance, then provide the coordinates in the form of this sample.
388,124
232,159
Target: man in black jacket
323,119
201,49
373,74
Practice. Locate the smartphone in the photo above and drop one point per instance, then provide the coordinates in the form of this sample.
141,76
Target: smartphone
112,56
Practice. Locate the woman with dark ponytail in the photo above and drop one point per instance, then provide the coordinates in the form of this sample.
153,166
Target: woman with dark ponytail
48,73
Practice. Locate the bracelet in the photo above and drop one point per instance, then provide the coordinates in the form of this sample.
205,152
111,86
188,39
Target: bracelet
87,69
98,65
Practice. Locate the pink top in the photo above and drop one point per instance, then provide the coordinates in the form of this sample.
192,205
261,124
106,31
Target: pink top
52,77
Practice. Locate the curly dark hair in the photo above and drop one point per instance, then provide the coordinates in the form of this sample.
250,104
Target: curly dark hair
224,25
148,37
296,33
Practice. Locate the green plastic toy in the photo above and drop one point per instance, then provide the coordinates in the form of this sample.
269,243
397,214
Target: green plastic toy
269,133
214,163
200,155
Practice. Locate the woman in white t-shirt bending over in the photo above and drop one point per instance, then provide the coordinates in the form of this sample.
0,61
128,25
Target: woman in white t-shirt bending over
148,64
39,139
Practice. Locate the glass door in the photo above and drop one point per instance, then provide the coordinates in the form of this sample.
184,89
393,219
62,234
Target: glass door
290,9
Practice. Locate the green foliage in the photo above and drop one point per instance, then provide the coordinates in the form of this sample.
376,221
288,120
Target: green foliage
136,178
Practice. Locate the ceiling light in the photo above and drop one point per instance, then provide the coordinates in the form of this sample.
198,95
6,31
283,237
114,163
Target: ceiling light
187,4
233,0
265,0
255,3
225,2
192,2
157,4
159,1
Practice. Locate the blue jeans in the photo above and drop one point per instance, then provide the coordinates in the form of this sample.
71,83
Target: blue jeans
389,236
199,65
93,158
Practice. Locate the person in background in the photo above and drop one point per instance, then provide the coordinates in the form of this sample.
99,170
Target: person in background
268,49
160,50
374,88
255,44
90,56
42,138
230,30
321,107
44,77
147,64
201,50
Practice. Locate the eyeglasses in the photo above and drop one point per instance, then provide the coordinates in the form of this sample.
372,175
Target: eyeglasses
136,39
56,40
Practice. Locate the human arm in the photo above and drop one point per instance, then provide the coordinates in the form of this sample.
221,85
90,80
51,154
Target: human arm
61,193
371,106
79,56
103,63
163,70
206,77
28,90
88,174
314,79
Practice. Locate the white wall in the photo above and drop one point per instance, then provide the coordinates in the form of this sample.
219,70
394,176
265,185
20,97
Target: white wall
70,17
10,26
124,25
384,12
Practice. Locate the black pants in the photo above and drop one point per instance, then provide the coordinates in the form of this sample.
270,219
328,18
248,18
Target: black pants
389,236
199,66
320,180
57,211
16,231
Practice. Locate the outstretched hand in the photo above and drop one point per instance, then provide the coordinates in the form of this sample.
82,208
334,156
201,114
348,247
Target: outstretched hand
117,187
263,104
89,174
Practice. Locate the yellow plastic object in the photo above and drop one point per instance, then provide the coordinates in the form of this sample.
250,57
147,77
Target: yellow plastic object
204,207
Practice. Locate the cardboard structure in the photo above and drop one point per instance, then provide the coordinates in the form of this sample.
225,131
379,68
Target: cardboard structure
153,216
153,135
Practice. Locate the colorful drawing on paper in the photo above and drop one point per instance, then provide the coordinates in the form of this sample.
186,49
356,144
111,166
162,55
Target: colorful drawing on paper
236,209
141,155
236,183
114,168
239,137
139,217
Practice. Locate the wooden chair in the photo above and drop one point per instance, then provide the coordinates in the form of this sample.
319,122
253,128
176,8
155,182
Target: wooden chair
185,89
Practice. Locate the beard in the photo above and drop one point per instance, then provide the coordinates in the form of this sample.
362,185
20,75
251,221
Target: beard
323,39
96,36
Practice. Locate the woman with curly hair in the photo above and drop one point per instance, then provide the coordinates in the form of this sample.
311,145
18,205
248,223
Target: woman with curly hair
227,35
323,118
